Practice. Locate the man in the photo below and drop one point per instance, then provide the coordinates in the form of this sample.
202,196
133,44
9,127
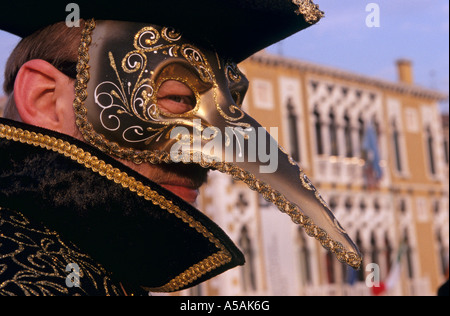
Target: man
112,128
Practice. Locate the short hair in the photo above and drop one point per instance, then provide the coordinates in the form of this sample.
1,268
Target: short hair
57,44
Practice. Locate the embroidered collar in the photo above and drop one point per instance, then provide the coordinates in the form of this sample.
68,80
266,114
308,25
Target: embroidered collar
143,234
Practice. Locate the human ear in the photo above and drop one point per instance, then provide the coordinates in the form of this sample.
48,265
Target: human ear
44,97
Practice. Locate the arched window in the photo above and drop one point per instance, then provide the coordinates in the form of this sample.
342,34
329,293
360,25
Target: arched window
376,206
318,130
242,203
445,143
361,133
402,207
248,270
377,127
374,249
348,204
388,252
442,247
348,136
362,206
430,149
408,253
333,134
329,257
305,257
443,253
293,131
396,145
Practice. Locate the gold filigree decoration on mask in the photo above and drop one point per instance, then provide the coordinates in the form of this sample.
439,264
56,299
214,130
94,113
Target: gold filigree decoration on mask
138,99
170,34
236,114
232,72
196,58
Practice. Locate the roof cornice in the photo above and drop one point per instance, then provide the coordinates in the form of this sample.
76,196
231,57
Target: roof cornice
291,63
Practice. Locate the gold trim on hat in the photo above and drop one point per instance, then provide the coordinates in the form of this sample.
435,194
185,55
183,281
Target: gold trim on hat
309,10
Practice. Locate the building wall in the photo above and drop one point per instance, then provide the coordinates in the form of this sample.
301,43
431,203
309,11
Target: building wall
406,209
2,105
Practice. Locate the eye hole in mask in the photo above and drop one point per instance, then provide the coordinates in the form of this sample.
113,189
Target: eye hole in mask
178,89
175,97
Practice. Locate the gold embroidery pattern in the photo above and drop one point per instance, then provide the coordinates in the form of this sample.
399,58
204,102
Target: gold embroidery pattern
309,10
157,157
42,257
221,258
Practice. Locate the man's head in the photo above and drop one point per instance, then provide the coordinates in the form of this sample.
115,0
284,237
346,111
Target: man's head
40,78
142,89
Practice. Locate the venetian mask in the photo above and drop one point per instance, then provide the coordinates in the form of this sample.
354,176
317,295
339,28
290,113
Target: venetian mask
122,70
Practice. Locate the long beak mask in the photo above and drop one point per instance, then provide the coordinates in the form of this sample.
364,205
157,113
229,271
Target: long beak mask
121,70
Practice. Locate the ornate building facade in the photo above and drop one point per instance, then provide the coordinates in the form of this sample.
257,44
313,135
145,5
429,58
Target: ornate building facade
391,194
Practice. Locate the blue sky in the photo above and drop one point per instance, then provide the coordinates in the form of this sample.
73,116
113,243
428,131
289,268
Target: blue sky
414,29
417,30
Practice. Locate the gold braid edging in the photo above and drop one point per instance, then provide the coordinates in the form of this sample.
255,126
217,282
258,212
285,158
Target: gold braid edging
212,262
351,258
82,157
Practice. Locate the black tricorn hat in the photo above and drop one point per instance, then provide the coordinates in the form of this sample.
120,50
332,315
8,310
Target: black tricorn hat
235,28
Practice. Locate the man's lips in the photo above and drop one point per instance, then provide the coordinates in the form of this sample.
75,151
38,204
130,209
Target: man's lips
188,194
